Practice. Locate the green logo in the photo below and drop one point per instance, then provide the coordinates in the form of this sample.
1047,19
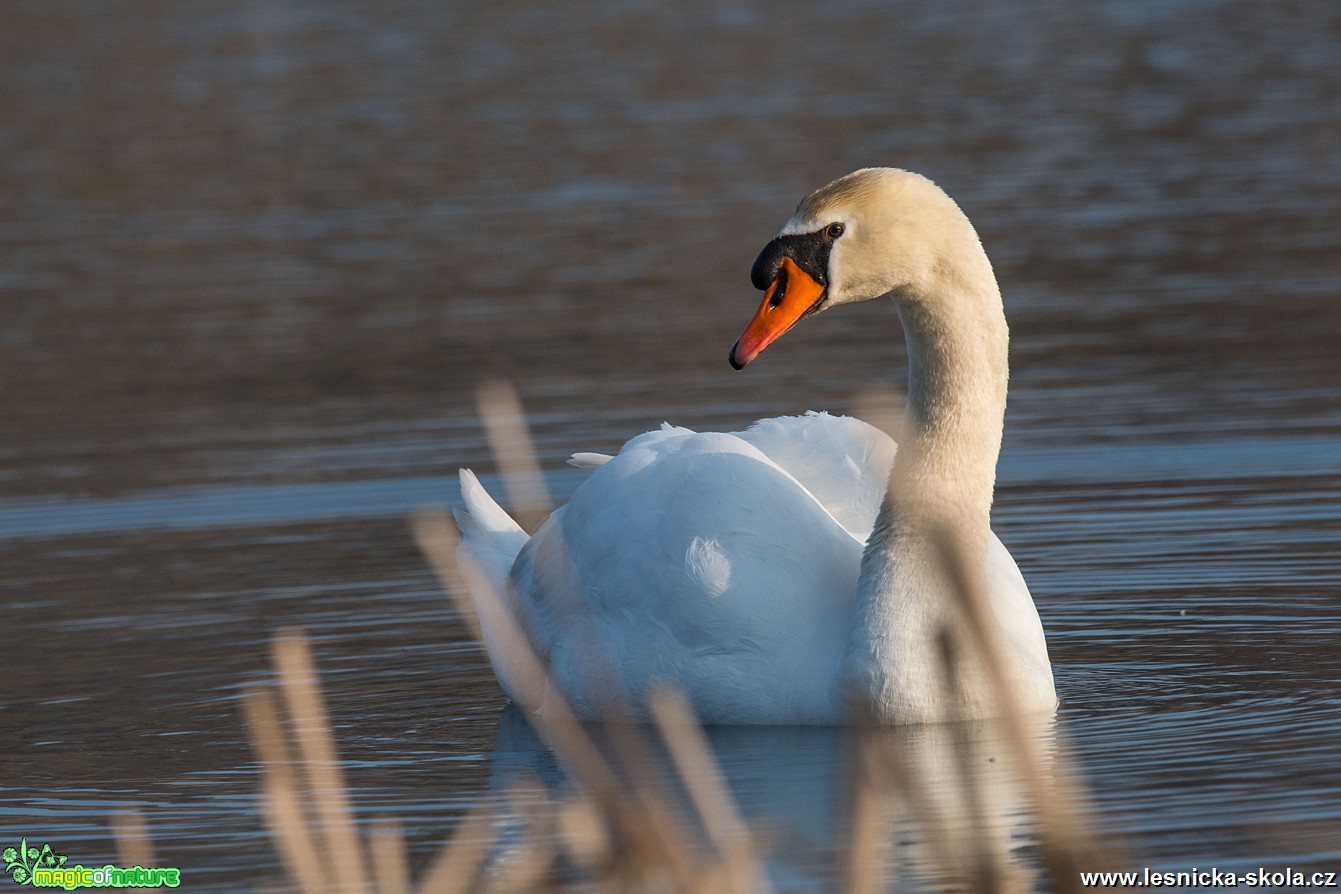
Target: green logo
42,867
21,861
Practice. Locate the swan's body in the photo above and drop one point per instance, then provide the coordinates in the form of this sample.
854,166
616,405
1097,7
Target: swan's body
771,574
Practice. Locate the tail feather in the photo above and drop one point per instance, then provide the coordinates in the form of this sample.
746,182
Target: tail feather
490,542
488,534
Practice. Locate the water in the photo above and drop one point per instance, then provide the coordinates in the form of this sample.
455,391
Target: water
254,259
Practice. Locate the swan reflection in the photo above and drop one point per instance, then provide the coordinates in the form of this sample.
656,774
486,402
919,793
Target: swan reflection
945,805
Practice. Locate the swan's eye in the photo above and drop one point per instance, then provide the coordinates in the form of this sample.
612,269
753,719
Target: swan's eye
834,230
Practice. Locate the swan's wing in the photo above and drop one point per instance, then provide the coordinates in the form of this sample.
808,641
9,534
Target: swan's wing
842,461
693,557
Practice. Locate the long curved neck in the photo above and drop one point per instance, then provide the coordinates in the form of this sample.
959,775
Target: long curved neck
941,485
957,373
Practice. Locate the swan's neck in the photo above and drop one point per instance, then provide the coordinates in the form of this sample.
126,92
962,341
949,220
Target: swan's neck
941,486
957,371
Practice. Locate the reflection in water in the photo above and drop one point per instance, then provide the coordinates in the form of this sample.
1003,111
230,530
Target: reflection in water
953,794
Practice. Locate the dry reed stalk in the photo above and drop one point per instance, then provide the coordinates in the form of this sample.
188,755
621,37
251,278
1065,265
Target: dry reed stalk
391,873
1059,799
697,767
134,845
1066,841
514,453
641,820
560,728
436,534
458,864
878,406
895,778
306,800
289,826
650,824
321,767
982,866
584,833
868,821
642,816
524,866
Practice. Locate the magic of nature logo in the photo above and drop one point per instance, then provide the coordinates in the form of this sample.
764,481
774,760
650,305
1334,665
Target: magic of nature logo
43,867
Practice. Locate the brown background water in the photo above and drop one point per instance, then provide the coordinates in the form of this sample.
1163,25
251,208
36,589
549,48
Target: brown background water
254,259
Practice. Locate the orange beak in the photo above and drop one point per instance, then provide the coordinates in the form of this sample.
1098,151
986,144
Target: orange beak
793,295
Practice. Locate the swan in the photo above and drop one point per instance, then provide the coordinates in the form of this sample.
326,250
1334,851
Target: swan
771,573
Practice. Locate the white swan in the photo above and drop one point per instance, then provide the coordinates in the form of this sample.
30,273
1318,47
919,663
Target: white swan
770,573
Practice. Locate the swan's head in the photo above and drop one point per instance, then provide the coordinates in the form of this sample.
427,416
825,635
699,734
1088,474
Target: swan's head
875,232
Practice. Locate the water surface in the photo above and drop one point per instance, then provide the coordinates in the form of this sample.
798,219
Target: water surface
254,260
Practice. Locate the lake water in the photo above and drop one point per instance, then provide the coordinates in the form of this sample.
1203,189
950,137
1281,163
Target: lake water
254,259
